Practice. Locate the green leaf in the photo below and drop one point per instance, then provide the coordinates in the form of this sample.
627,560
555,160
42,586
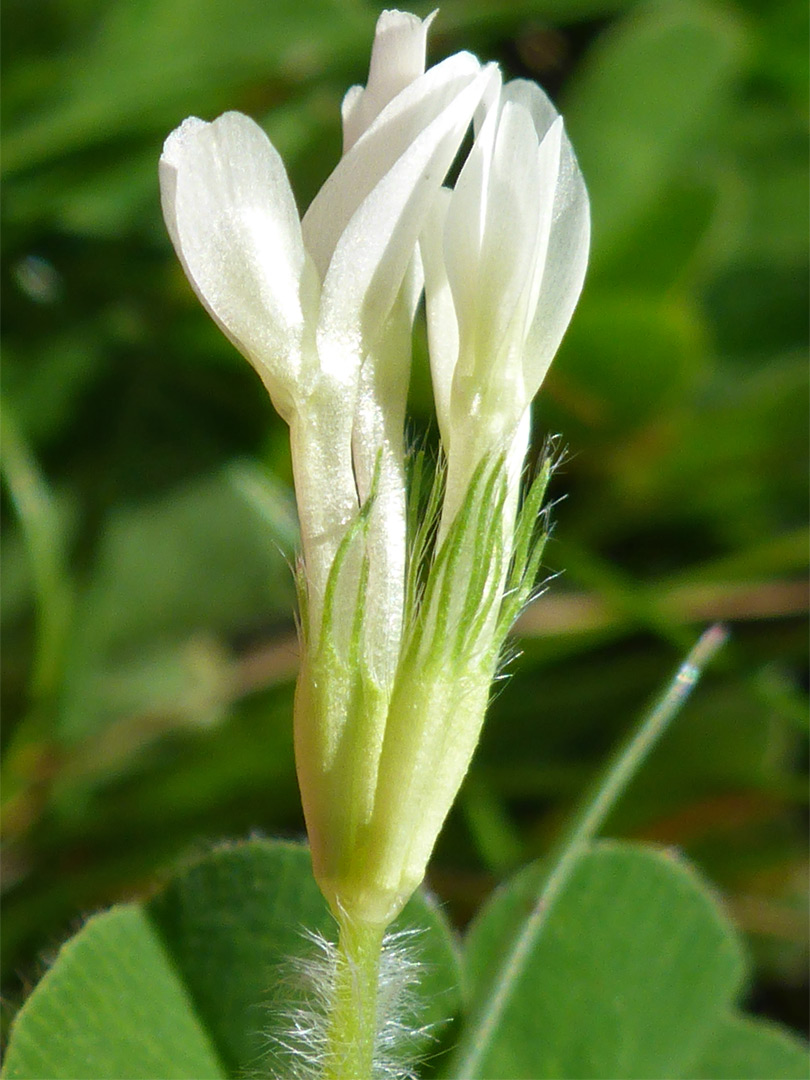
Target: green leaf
522,925
746,1049
634,967
649,88
600,391
744,447
43,530
191,983
113,1005
149,639
667,239
235,919
231,920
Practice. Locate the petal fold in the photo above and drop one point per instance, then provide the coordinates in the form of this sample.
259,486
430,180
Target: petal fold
492,250
378,149
375,249
515,249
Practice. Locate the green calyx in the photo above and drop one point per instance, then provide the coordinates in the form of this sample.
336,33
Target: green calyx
380,766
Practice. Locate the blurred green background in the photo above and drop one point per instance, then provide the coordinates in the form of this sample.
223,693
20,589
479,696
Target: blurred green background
149,649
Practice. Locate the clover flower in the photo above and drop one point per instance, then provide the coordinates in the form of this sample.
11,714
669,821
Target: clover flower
504,255
404,610
313,303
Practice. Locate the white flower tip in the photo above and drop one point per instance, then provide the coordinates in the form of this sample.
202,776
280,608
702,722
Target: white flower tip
392,20
232,218
397,58
403,24
490,73
401,30
176,142
183,139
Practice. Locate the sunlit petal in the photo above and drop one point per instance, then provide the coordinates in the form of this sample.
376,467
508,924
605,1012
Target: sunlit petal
489,290
563,274
233,220
379,148
372,254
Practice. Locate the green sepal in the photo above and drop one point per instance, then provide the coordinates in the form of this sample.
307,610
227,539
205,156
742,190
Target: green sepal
531,533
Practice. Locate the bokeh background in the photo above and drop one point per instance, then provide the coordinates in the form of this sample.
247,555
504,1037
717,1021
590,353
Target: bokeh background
147,605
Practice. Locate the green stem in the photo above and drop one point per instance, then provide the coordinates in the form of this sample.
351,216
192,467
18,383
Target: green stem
42,532
353,1023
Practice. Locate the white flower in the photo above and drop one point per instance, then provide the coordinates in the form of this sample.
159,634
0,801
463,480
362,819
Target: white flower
504,255
307,302
389,701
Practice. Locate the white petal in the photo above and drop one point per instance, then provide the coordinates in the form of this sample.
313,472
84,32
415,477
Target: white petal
378,453
371,256
466,216
564,270
348,108
558,283
442,323
233,221
489,285
325,489
397,58
378,149
519,198
531,97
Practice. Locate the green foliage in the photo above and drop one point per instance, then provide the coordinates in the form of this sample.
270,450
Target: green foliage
195,982
610,960
146,609
649,88
750,1049
113,977
630,973
141,632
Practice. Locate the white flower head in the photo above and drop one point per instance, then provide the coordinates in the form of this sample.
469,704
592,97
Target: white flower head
308,302
232,216
399,651
504,255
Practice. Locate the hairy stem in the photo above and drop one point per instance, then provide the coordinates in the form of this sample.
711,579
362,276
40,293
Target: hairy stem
353,1023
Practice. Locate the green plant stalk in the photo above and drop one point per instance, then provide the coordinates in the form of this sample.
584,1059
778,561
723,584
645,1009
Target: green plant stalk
42,534
352,1034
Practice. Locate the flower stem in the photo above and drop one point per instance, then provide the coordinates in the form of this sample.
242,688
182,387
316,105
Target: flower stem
353,1023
